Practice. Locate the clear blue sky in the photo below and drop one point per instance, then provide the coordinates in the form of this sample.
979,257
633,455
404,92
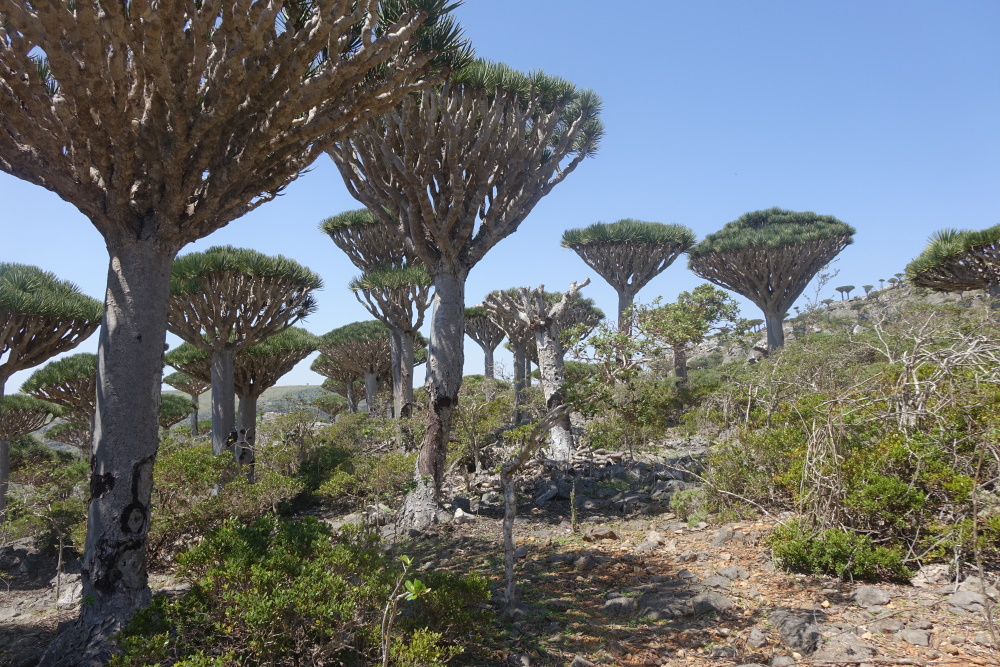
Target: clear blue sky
883,114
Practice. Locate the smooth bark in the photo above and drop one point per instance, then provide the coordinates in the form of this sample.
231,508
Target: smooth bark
193,419
125,439
445,359
371,390
396,354
488,363
553,380
352,402
4,464
775,323
519,356
223,399
407,347
624,303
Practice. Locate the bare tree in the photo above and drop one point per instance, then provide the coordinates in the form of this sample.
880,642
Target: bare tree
956,261
769,257
501,140
162,125
19,415
398,296
193,387
486,334
226,299
629,253
542,318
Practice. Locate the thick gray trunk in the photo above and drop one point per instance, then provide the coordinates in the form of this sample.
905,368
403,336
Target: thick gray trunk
352,402
445,359
193,419
406,351
775,330
680,364
509,514
125,440
488,362
527,371
223,399
624,303
553,379
371,391
519,355
247,422
396,361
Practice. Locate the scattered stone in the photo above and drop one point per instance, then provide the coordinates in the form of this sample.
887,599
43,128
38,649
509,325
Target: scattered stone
647,547
968,601
916,637
717,582
711,602
598,533
734,572
983,639
869,596
782,661
751,664
723,652
844,647
921,625
584,563
620,606
724,535
461,516
757,638
799,628
887,626
521,551
580,661
655,536
975,584
558,604
931,575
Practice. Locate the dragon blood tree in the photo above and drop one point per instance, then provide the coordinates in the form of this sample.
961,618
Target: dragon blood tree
769,257
362,347
535,310
500,141
341,378
19,415
173,409
486,334
398,296
163,124
73,434
259,367
193,387
960,260
520,340
628,253
70,382
226,299
330,403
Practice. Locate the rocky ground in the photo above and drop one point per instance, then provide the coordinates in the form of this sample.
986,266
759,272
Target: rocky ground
632,586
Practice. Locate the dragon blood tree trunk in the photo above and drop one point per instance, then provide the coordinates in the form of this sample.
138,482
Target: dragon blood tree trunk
396,355
223,399
445,358
775,330
193,419
4,464
406,353
371,390
518,350
352,402
488,362
125,439
553,380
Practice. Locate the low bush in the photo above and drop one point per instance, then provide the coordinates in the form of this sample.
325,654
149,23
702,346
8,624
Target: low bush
837,552
283,592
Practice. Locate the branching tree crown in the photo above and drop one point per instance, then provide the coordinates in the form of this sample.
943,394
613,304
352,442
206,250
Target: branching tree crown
40,316
70,382
959,260
21,414
396,295
185,383
629,253
769,257
191,361
366,240
260,366
173,409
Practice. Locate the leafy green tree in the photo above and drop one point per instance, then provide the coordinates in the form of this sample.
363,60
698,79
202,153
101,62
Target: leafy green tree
19,415
340,377
331,403
363,349
40,317
69,382
226,299
769,257
688,320
173,409
629,253
868,289
163,125
959,260
845,291
486,334
193,387
73,434
501,140
398,296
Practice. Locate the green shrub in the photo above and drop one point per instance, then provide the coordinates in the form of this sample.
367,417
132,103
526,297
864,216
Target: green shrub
689,505
282,592
837,552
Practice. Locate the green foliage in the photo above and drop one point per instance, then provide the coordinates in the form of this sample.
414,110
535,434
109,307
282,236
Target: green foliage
29,290
276,591
691,317
628,230
20,414
189,271
51,502
392,277
690,505
947,246
773,228
173,408
365,476
355,331
67,369
838,553
484,408
27,450
292,339
360,217
331,404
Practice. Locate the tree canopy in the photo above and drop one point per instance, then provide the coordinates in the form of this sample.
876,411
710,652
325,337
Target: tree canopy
21,414
173,409
70,382
959,260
